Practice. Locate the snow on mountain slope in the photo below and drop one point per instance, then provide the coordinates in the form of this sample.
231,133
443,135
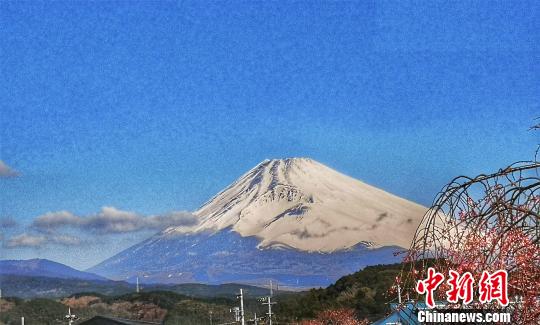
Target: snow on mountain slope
303,204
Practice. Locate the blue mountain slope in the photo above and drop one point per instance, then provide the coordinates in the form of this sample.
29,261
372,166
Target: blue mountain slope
225,256
294,220
44,268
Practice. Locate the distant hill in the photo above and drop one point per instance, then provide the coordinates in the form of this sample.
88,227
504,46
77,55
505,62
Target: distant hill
46,287
153,306
22,286
44,268
190,304
227,290
365,291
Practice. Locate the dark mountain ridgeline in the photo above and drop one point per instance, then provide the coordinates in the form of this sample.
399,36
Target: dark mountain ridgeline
44,268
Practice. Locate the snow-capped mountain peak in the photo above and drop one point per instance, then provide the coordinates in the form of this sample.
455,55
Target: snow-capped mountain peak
303,204
296,204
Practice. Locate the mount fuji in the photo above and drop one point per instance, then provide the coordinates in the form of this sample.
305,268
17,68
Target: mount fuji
293,220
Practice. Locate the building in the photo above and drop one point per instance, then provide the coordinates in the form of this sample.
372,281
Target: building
404,314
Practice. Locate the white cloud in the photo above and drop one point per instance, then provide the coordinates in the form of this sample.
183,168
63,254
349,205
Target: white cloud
50,221
65,240
175,218
112,220
26,240
40,241
45,229
6,171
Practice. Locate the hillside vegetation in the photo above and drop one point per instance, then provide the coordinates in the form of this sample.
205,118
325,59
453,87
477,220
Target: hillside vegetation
364,292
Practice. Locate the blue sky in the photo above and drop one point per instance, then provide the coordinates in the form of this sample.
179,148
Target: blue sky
153,107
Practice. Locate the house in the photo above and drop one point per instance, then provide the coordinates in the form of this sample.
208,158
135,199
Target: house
404,314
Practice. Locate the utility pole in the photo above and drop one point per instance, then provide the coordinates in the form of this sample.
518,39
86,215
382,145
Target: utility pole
270,303
71,317
241,296
22,320
269,313
236,311
211,318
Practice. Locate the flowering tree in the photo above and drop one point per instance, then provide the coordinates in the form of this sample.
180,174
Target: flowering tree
484,224
336,317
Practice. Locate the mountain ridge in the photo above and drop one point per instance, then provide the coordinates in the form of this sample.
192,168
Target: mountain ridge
45,268
295,221
303,204
225,256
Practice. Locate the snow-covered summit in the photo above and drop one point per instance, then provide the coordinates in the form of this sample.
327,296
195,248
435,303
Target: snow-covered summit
303,204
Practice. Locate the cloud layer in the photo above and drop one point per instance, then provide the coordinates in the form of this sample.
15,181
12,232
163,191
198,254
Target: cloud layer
6,171
111,220
38,241
25,240
47,229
